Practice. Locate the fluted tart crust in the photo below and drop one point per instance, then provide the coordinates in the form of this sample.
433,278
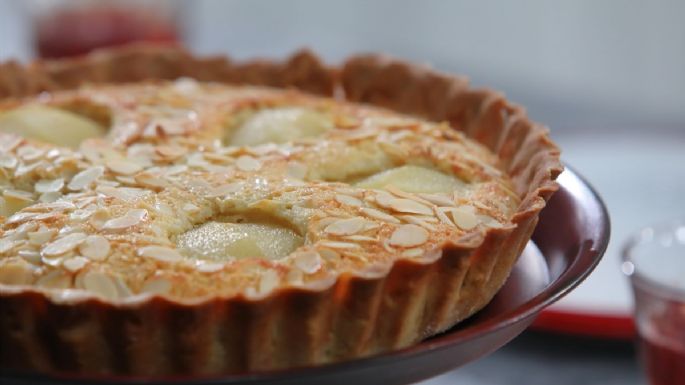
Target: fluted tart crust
167,214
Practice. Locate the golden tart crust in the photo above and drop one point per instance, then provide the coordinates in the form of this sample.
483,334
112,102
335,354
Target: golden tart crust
112,238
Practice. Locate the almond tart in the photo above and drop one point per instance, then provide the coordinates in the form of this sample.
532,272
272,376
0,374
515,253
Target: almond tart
166,214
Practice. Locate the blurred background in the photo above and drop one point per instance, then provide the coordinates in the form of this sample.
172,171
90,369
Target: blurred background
607,76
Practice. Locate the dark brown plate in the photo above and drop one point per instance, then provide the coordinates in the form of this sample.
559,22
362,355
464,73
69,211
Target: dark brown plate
571,237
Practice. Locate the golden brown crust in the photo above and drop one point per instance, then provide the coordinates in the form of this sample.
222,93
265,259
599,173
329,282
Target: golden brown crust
292,326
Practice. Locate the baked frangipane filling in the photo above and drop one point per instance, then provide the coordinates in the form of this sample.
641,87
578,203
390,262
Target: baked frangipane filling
188,190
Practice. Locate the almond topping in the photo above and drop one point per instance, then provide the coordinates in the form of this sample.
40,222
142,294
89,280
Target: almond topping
209,267
85,178
46,185
55,280
381,216
412,253
101,284
464,217
404,205
268,281
41,236
347,226
308,261
160,253
123,167
225,189
64,244
247,163
156,286
409,236
297,170
339,245
348,200
95,247
75,264
16,273
132,218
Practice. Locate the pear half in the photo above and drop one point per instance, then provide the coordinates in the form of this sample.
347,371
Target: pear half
50,124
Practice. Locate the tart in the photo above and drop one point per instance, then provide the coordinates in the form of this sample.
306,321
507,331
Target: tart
167,214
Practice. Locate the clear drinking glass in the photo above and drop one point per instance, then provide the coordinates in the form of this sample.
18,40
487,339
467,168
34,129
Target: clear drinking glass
654,261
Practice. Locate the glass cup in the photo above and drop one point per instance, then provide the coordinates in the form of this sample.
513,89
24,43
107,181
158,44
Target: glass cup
654,261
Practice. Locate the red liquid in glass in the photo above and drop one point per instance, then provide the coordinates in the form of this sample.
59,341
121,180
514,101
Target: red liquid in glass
663,349
70,32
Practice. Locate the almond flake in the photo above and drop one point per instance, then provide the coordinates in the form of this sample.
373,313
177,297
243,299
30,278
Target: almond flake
347,226
296,170
101,284
268,281
30,256
308,261
95,247
64,244
85,178
440,213
381,216
404,205
54,280
247,163
412,253
132,218
170,152
8,161
21,217
408,236
329,255
123,167
160,253
439,200
339,245
41,236
156,286
360,238
18,196
75,264
16,273
50,197
348,200
49,185
225,189
418,221
150,180
464,217
7,245
209,267
190,208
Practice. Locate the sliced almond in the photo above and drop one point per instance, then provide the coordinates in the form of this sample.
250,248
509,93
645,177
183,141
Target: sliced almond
247,163
308,261
296,170
101,284
75,264
49,185
409,206
132,218
210,267
85,178
339,245
409,236
346,226
268,281
64,244
7,245
8,161
464,217
55,279
41,236
95,247
160,253
156,285
381,216
16,273
412,253
123,167
438,199
348,200
225,189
